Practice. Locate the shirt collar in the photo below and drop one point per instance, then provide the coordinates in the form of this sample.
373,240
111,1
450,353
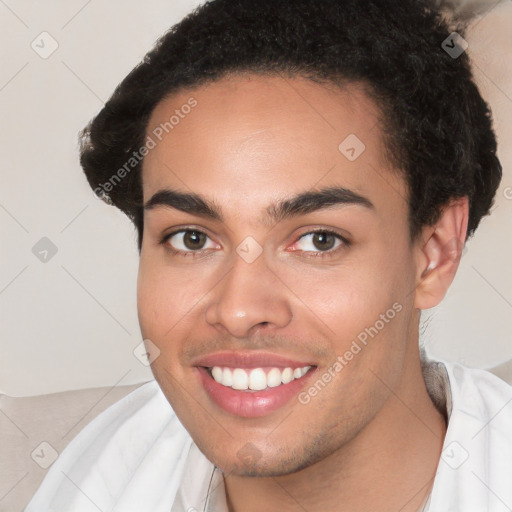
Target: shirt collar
202,485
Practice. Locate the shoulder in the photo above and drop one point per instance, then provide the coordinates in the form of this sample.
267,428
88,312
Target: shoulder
124,455
479,393
476,459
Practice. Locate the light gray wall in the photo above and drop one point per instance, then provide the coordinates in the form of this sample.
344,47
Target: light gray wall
71,322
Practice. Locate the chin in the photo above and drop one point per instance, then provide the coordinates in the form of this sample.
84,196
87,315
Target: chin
250,462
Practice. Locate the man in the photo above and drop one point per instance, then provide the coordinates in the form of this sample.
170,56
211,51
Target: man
303,177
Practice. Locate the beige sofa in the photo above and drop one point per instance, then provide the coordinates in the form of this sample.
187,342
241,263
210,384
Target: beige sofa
34,430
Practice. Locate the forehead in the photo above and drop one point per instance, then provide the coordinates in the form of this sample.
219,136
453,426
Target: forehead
252,139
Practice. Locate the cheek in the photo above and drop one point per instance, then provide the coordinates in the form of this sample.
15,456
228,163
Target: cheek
166,295
362,306
345,299
150,306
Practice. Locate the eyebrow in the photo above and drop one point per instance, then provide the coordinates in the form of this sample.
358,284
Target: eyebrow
300,204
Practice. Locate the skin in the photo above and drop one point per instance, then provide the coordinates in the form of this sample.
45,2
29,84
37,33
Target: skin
370,439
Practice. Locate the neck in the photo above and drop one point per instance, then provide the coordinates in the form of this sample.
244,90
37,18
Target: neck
390,465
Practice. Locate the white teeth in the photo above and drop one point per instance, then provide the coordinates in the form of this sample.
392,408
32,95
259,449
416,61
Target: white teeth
240,379
274,378
227,377
287,375
217,373
256,379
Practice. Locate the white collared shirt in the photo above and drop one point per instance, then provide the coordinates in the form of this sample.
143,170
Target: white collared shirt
137,457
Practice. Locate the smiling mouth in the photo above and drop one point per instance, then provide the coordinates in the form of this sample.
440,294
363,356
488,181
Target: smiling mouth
256,379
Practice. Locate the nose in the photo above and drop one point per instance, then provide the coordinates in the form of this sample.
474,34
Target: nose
249,296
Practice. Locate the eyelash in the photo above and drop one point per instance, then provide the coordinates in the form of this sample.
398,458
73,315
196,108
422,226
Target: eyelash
310,254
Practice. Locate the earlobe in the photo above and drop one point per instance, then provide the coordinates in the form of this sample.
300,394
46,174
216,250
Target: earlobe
438,254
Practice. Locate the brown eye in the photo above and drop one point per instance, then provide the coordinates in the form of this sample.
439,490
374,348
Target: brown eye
194,240
319,243
189,240
323,241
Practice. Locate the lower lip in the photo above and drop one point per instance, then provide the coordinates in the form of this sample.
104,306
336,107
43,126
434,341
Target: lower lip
251,404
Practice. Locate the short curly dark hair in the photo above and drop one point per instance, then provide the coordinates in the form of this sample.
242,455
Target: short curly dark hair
438,129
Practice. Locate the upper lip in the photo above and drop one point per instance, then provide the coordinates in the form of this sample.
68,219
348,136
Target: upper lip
248,360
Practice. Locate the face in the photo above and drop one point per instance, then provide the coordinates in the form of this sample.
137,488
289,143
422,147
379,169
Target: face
276,269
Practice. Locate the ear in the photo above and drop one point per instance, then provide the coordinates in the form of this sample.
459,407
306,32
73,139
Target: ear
438,252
